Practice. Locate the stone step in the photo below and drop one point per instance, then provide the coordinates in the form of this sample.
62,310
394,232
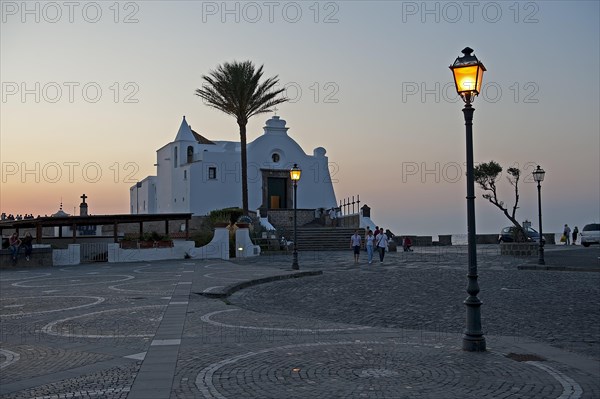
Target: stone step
322,239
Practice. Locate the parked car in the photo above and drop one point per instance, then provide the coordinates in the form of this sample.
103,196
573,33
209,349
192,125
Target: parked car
590,234
507,234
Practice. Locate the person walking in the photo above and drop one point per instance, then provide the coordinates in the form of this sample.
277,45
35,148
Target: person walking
382,243
407,244
369,241
376,232
27,243
366,235
333,217
13,244
567,234
575,233
355,242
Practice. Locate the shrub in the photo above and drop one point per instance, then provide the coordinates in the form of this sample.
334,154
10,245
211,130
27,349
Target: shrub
227,215
202,238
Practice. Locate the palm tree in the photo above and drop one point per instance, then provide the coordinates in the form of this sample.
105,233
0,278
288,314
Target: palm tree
235,88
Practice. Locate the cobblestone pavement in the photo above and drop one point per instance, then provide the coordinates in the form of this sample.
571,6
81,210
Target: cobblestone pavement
356,331
425,290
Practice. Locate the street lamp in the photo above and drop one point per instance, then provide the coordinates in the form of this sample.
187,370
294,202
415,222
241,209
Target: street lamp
538,176
468,75
295,173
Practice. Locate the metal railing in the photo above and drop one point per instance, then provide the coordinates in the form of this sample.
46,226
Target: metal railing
347,206
94,252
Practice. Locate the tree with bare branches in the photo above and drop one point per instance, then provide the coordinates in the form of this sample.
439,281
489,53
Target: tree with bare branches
486,175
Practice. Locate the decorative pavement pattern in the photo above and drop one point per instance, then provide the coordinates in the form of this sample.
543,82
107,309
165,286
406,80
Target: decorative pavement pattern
202,329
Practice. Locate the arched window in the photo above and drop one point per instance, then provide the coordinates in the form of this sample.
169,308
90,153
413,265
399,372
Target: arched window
275,157
190,154
212,172
176,161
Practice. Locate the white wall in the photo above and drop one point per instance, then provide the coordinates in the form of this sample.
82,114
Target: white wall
142,199
243,244
217,248
224,191
178,251
67,257
164,163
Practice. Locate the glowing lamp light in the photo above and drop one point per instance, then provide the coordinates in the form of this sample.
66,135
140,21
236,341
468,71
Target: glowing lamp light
295,173
468,75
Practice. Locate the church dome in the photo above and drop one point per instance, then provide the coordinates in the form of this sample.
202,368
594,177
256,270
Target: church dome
60,213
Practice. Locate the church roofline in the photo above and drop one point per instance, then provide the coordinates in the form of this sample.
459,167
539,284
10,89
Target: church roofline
185,132
201,139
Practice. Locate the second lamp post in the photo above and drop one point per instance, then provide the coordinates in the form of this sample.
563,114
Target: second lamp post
538,176
295,173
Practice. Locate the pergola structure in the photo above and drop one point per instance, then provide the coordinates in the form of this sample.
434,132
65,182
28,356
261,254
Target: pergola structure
98,220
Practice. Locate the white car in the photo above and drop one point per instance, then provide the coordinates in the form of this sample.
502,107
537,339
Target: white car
590,234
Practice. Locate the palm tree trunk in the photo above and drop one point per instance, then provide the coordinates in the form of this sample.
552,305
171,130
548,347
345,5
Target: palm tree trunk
244,167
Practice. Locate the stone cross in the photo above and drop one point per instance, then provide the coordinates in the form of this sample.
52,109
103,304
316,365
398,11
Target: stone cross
83,197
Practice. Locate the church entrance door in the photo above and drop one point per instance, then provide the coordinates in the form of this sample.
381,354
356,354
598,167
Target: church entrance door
277,192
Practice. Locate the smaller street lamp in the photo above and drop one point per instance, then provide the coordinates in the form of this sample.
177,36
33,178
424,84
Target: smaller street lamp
295,173
538,176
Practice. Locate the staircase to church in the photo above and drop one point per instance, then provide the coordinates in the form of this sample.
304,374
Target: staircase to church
324,238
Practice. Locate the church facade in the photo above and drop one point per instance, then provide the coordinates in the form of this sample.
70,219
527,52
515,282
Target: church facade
198,175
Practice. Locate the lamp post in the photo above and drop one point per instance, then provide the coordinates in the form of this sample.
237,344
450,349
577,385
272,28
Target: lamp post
538,176
295,173
468,73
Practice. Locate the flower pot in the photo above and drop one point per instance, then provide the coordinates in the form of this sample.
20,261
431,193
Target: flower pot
146,244
128,244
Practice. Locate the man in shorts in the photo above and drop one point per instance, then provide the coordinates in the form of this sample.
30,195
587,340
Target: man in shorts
355,243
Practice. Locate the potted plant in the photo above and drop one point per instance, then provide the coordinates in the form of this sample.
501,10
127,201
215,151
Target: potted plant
243,222
128,243
224,217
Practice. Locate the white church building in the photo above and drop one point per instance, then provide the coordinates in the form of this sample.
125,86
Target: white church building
197,175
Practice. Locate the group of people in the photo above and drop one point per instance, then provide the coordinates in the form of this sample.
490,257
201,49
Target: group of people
4,216
566,237
15,244
377,240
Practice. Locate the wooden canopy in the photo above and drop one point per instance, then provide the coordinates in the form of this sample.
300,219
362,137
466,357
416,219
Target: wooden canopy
94,220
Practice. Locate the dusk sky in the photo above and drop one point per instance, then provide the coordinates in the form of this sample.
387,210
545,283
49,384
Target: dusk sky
90,91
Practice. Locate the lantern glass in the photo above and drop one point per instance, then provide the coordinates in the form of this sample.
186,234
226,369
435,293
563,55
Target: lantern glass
539,174
466,79
468,75
295,173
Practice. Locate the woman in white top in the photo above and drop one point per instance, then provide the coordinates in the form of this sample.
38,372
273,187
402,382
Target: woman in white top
369,239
